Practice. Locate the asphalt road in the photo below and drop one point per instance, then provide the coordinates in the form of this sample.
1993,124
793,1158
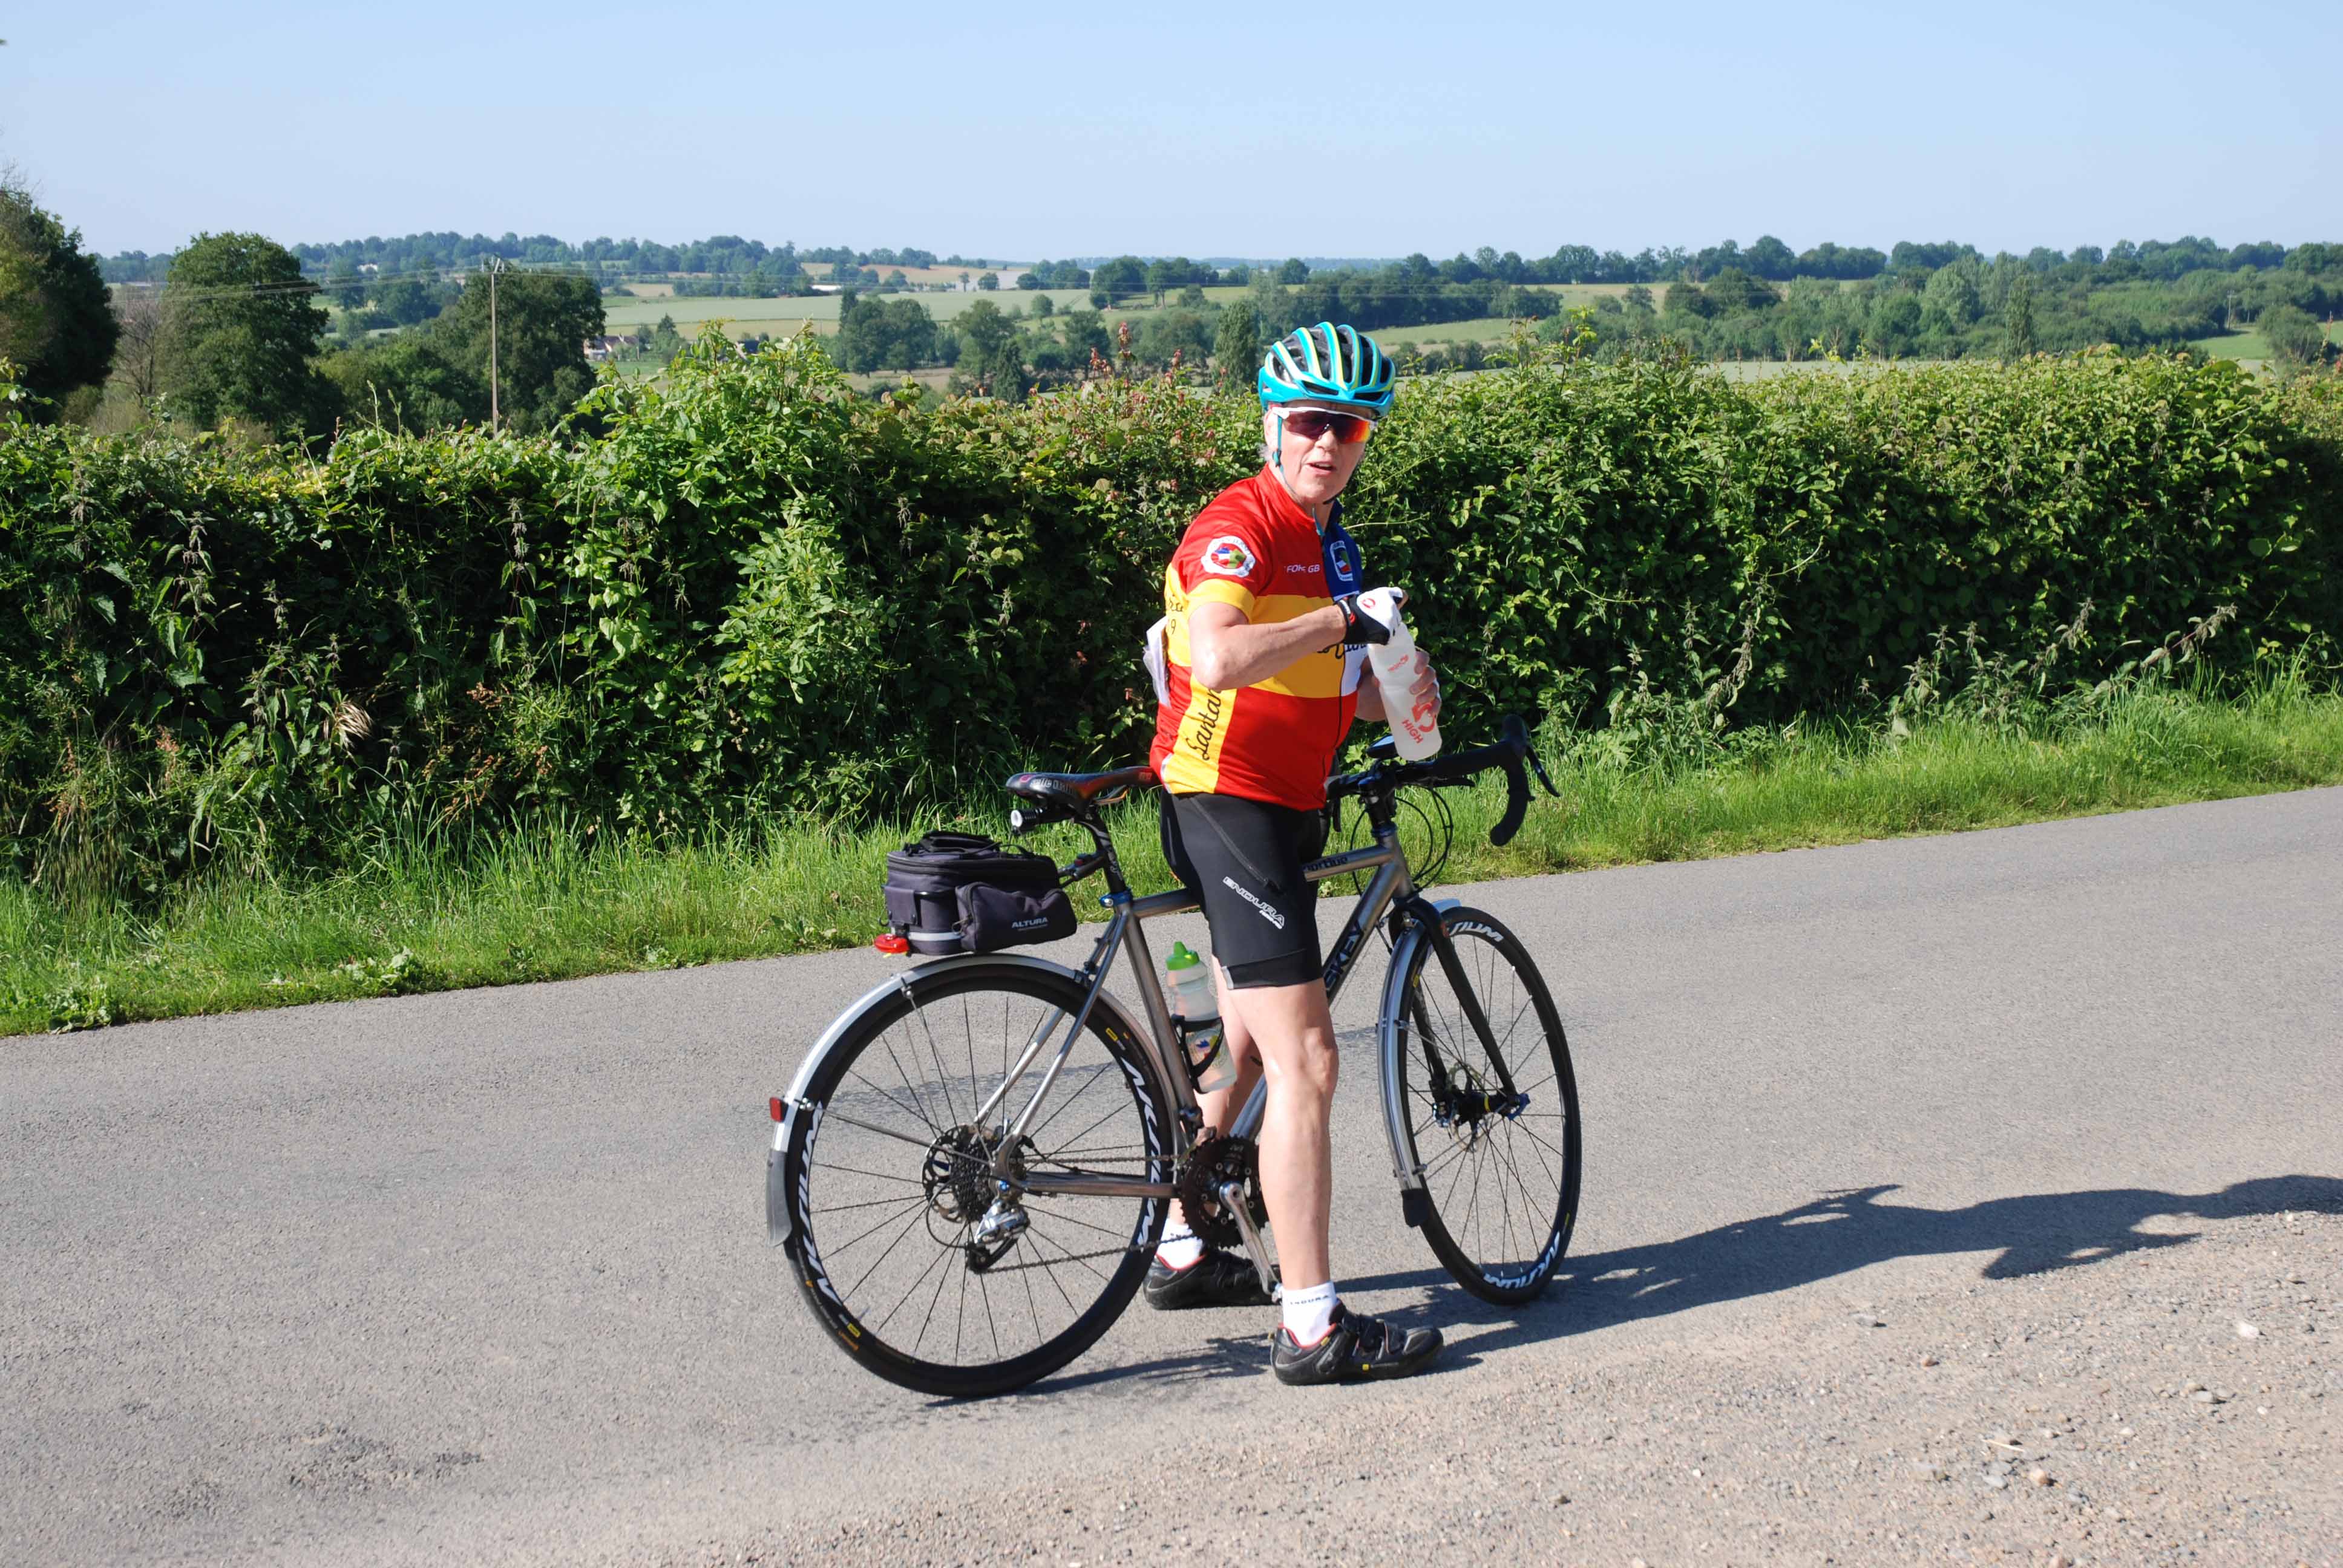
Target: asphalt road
483,1276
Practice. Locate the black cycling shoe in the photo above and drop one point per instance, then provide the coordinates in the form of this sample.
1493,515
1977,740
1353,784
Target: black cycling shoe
1356,1348
1217,1279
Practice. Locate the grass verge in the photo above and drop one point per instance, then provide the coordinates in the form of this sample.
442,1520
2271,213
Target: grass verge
423,913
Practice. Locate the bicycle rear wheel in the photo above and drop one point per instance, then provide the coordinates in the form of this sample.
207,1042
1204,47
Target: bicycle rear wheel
1500,1167
889,1176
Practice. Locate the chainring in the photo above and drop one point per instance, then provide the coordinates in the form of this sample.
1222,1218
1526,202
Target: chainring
1213,1162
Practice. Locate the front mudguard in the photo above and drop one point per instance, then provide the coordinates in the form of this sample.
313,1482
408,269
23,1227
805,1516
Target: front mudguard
1389,1043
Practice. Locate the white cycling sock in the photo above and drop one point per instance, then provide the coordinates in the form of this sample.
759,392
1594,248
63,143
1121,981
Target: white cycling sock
1180,1249
1308,1313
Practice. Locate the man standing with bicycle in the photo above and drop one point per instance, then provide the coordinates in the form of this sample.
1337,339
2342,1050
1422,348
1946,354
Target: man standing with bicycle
1264,653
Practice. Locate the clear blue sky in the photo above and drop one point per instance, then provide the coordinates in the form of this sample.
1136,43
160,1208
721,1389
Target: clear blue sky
1286,128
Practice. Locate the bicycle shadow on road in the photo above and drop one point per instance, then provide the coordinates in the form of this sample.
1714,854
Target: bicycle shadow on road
1835,1234
1842,1231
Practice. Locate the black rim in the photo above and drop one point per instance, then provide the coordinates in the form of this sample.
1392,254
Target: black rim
891,1184
1499,1169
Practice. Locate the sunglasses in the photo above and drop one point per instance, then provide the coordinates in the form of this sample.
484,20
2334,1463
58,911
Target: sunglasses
1310,424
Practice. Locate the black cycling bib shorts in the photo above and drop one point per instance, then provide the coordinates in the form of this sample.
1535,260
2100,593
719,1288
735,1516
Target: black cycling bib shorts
1244,858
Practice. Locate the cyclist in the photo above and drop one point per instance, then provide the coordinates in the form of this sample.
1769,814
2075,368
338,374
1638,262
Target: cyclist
1263,647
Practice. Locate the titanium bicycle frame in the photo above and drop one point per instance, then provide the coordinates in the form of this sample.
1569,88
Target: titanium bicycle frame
1390,892
1393,885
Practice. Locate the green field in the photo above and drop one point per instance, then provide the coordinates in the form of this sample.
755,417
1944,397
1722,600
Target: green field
2233,345
770,318
1478,330
2249,344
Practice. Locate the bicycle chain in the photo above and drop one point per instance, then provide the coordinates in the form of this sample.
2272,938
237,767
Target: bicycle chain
1062,1258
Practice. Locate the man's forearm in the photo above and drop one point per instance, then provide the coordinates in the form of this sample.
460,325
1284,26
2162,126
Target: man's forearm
1229,657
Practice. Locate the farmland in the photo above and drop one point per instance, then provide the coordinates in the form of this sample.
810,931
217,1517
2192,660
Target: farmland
2250,344
774,317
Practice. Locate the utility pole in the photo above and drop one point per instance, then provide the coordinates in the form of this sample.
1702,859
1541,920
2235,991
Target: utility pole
496,265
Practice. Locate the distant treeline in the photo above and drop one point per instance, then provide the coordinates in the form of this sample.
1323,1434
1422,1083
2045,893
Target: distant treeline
1967,305
724,254
729,256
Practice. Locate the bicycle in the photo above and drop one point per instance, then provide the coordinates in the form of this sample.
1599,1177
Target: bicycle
1016,1263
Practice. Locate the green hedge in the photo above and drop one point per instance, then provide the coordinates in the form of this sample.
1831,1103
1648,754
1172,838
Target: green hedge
755,593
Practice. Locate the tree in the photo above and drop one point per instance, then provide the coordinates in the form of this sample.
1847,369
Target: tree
1043,307
1733,289
1125,275
1293,270
542,322
861,342
2017,319
1236,345
664,341
991,351
910,334
989,281
407,301
1003,370
1192,296
138,351
982,328
243,328
55,319
1687,298
1952,293
343,284
407,381
1769,257
2293,335
1895,323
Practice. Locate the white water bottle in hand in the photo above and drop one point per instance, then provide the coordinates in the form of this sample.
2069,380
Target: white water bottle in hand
1416,729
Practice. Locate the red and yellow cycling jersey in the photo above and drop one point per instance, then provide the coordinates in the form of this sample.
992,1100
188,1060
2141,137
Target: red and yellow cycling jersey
1253,546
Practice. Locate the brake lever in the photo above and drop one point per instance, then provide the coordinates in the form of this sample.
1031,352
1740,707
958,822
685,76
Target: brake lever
1538,768
1517,736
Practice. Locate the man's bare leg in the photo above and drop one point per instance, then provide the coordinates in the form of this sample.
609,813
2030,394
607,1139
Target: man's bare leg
1293,1033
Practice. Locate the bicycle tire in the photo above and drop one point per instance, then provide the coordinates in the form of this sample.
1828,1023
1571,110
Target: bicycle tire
1529,1160
891,1080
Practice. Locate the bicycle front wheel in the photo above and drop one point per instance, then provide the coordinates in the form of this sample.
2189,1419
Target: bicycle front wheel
1498,1145
904,1247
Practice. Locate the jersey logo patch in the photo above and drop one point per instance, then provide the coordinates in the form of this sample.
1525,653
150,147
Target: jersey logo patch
1339,552
1228,556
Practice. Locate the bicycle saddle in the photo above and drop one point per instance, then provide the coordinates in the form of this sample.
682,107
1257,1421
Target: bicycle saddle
1080,788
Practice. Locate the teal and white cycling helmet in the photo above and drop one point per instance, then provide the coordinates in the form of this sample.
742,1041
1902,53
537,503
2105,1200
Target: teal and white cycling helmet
1327,364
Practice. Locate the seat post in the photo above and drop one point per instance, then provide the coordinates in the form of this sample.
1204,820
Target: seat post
1109,862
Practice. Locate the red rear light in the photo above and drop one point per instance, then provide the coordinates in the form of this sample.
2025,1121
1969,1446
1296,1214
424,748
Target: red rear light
889,942
777,1108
